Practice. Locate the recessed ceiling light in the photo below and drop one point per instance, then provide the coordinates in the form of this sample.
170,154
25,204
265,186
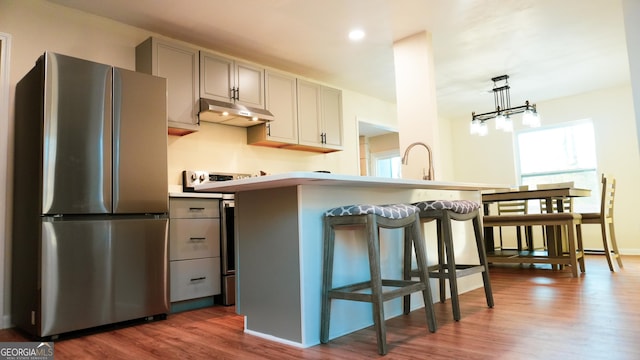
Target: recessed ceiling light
356,35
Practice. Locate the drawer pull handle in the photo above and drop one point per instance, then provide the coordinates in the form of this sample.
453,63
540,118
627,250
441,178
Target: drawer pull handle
197,239
196,209
198,278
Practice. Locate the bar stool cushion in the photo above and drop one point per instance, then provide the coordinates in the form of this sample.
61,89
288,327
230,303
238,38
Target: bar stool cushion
393,211
457,206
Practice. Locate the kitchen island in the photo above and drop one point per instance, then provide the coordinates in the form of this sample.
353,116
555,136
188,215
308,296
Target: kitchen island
279,248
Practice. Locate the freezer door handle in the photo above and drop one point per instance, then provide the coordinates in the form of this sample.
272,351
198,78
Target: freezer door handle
196,209
197,239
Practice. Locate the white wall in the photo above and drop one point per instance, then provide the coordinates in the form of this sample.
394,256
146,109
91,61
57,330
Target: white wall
490,159
37,26
381,143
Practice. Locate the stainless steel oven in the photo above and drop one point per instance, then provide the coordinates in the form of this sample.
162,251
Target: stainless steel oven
227,228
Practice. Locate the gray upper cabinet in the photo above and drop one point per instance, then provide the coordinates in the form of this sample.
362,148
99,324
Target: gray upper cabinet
332,117
281,101
319,116
179,65
308,116
227,80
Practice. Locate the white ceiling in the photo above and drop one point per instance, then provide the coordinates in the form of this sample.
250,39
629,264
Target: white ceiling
549,48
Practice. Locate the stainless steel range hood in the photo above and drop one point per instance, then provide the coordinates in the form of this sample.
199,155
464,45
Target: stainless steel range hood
232,114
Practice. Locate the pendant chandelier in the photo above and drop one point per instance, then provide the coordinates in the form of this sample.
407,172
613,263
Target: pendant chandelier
503,112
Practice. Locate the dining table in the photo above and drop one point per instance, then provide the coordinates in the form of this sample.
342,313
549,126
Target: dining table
548,195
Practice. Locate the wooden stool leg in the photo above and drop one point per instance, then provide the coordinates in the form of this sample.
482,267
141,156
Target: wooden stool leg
327,279
421,259
441,260
373,245
482,255
447,238
406,269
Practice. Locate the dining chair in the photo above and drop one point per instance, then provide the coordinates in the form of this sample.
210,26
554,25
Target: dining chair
517,207
567,204
604,218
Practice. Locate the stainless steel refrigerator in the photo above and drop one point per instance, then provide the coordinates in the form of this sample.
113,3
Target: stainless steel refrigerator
90,197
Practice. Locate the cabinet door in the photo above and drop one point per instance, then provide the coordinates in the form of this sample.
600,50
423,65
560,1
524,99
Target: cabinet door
332,117
216,77
249,85
309,114
179,65
281,100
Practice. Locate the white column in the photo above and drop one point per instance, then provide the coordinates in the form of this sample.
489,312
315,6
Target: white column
416,102
631,12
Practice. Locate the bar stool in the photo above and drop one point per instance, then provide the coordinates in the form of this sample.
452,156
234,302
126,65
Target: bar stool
444,212
373,217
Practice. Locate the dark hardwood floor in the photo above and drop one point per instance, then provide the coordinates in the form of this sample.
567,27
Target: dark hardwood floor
539,314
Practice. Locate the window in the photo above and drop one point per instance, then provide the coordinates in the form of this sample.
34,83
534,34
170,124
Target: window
386,164
560,154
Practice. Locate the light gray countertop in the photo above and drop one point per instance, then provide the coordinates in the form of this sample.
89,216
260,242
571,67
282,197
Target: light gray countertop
175,191
316,178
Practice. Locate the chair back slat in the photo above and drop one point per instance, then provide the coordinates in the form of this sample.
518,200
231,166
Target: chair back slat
567,204
513,207
608,196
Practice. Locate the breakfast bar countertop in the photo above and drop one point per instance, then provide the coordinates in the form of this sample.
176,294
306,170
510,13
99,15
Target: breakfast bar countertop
321,178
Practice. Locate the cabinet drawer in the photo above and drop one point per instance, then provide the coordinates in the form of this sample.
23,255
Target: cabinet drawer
194,238
194,208
191,279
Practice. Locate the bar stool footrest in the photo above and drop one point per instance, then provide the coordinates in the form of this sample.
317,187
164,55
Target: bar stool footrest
461,270
355,292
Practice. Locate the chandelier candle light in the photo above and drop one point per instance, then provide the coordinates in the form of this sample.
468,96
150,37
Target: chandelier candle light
503,111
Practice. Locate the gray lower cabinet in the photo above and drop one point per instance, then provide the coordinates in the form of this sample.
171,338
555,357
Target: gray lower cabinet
194,251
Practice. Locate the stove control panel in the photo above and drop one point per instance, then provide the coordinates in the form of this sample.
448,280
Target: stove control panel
190,178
